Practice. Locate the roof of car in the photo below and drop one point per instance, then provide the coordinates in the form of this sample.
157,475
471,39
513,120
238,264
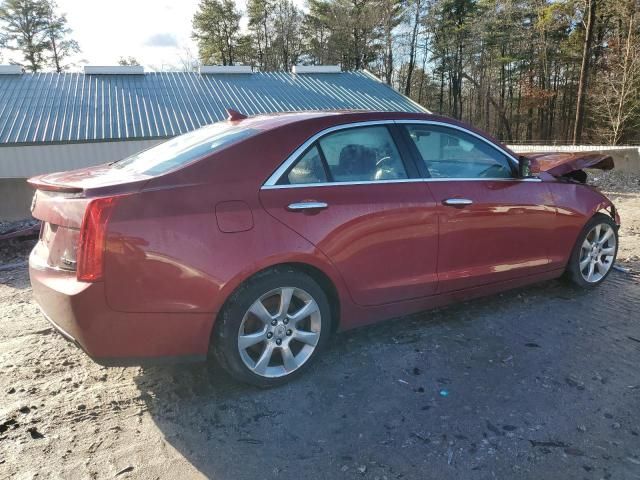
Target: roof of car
269,121
330,118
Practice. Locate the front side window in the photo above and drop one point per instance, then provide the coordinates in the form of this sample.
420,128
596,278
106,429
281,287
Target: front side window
451,153
362,154
184,149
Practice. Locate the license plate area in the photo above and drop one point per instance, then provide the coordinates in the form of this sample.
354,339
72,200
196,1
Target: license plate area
58,246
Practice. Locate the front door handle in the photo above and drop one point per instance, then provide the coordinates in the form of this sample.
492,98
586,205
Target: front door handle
457,202
307,205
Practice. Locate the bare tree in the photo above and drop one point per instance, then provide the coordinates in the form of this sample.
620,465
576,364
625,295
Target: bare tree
617,101
584,70
416,4
61,46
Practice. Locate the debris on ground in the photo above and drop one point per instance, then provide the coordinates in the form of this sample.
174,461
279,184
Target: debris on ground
27,228
615,181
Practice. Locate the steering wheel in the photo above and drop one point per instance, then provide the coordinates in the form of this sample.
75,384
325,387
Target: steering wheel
383,161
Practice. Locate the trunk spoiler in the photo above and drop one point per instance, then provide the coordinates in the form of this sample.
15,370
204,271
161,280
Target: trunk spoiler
561,164
39,183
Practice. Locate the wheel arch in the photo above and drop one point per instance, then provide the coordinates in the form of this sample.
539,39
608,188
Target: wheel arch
605,207
318,274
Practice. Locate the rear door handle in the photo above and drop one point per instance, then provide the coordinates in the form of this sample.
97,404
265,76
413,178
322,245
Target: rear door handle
457,202
307,205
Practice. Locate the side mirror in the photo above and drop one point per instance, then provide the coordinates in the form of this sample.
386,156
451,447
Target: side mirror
524,167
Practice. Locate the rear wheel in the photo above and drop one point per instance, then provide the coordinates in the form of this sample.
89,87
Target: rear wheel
595,252
272,327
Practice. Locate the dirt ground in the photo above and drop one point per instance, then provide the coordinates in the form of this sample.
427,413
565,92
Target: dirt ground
540,382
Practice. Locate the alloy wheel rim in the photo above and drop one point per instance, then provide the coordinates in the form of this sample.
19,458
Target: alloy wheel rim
279,332
597,253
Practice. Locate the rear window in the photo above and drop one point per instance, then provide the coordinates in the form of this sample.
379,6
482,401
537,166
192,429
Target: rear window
184,149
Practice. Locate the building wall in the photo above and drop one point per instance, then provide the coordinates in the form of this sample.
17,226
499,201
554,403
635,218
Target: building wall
30,160
15,197
19,163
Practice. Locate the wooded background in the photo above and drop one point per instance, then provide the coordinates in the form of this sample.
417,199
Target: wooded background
527,71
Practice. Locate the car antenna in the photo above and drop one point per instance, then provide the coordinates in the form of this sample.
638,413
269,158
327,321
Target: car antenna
235,115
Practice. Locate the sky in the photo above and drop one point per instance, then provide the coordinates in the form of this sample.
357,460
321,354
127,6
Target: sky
156,32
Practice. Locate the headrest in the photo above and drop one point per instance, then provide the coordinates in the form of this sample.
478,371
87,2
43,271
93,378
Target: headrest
358,160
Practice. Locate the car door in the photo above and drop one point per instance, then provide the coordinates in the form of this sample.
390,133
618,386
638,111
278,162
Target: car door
349,192
494,226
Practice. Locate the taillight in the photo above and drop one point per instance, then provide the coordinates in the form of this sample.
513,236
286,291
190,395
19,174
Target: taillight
92,243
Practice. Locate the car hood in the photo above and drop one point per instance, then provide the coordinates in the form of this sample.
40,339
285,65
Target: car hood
563,163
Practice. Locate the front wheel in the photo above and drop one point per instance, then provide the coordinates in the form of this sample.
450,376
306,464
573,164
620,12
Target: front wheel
272,327
594,253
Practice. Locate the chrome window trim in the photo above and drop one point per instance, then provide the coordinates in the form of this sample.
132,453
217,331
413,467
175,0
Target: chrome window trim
272,181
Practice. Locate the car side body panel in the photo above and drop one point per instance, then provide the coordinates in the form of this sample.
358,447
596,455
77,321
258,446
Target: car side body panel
178,245
504,234
382,237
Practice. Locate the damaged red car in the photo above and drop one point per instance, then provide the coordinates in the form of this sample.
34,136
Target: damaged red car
255,239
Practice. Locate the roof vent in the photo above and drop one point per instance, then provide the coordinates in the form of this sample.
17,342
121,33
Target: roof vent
10,69
114,70
316,69
235,69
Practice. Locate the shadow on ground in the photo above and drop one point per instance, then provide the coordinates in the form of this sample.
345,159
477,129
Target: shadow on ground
537,383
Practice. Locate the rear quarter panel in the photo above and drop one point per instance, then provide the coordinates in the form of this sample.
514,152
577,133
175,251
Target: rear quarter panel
166,250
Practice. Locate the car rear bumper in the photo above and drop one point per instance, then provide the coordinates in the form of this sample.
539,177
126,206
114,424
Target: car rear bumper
79,311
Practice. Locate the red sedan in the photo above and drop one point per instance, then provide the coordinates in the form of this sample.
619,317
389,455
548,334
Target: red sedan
256,238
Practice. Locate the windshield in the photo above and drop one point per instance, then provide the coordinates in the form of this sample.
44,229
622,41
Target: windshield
184,149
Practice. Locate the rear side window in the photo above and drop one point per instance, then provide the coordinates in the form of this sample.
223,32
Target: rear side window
309,169
451,153
362,154
184,149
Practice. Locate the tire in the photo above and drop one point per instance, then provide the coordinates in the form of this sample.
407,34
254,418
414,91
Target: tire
596,256
247,335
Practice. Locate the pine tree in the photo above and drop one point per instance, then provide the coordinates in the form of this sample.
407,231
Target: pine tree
25,24
216,27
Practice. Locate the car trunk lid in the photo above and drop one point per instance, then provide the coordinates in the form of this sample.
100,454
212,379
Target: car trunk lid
91,181
63,200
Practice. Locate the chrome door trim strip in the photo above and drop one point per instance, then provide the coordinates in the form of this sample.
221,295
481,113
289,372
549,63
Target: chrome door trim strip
407,180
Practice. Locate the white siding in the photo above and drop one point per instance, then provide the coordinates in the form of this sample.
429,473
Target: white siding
27,161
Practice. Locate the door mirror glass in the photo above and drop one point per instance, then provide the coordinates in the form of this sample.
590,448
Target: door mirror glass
524,165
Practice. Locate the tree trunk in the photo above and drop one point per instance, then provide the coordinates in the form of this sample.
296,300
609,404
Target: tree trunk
584,72
503,117
412,50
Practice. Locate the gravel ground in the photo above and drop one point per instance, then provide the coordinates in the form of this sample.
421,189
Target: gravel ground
540,382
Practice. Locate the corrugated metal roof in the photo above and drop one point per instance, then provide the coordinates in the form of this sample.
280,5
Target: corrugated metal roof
74,107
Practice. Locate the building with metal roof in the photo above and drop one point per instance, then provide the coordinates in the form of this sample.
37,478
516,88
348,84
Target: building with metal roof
51,122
